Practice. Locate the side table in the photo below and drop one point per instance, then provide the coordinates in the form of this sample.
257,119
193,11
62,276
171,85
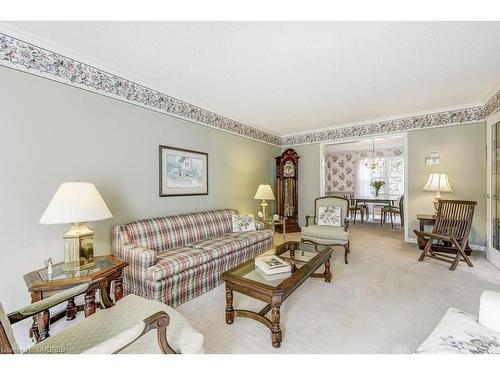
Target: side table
273,223
41,286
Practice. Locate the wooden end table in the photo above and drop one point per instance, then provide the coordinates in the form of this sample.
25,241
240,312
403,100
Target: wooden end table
40,286
273,290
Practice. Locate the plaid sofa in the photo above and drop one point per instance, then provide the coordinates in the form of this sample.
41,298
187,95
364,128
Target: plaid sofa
176,258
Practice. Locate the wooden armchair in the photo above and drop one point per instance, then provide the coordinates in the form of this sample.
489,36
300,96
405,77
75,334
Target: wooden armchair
126,327
453,224
325,234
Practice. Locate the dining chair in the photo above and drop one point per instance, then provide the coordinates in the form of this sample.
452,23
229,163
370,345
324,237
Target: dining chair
451,231
134,325
353,209
393,211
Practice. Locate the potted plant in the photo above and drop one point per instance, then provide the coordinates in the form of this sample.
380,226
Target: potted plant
377,185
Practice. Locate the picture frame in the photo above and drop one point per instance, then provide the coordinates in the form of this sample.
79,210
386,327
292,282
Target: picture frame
182,172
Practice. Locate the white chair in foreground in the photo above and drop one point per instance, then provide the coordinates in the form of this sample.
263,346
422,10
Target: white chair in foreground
134,325
459,332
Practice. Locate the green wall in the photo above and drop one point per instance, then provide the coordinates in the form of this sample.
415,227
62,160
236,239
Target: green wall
53,133
462,152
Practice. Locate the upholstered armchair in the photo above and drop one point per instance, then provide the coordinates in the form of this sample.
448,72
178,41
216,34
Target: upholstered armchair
134,325
328,234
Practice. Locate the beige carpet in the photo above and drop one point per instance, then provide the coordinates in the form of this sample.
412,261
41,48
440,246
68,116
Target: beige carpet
383,301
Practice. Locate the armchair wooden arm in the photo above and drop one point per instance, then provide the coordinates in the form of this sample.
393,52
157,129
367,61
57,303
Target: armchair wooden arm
158,321
346,224
308,217
56,299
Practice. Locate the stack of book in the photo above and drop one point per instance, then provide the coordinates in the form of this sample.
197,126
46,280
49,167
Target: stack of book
272,265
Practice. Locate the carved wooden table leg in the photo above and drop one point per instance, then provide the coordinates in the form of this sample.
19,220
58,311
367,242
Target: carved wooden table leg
33,332
229,306
118,288
71,309
276,335
43,325
327,273
89,302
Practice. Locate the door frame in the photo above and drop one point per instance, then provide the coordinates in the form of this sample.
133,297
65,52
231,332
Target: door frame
492,254
405,160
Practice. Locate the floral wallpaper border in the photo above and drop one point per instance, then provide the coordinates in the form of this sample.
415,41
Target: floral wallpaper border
448,118
493,104
30,58
20,55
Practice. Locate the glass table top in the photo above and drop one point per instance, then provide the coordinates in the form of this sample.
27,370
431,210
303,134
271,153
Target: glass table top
296,253
59,273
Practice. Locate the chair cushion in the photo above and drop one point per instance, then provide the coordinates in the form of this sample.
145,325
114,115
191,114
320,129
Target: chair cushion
325,234
127,312
172,262
459,333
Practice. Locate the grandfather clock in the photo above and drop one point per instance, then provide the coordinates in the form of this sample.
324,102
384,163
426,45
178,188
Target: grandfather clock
287,168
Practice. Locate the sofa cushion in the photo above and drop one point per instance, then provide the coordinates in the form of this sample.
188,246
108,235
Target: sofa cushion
174,261
459,333
172,232
243,238
325,234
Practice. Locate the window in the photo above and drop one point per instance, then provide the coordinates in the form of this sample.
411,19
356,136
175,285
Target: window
391,171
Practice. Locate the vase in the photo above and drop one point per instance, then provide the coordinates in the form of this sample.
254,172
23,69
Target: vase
377,191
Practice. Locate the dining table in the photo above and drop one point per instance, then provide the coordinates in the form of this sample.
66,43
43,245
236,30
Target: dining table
387,200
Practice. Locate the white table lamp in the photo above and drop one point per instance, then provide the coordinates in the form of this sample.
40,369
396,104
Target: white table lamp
76,203
438,182
264,192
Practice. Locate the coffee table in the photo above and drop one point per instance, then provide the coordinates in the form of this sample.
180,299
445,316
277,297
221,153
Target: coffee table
273,290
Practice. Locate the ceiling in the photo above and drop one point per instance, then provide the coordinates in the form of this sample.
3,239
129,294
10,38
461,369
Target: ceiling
395,141
288,77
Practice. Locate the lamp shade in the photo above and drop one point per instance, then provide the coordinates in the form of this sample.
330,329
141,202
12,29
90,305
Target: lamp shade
264,192
438,182
75,202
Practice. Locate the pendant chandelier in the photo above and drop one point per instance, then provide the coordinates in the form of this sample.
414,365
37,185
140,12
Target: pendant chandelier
372,164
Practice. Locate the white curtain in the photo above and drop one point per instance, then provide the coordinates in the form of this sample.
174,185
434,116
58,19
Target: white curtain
362,179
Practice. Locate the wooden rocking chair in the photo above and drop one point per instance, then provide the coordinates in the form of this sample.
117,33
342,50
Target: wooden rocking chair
452,227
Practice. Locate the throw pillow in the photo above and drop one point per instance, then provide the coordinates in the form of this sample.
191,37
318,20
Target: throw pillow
330,216
243,223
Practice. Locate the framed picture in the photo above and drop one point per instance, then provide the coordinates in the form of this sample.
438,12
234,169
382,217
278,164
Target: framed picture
183,172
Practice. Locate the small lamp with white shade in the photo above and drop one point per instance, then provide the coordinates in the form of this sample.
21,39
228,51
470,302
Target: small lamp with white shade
76,203
438,182
264,192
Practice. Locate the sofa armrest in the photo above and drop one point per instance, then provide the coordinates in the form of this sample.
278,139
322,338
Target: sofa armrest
489,310
137,255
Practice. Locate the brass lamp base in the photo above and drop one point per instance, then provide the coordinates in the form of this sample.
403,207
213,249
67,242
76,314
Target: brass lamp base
437,198
78,247
264,206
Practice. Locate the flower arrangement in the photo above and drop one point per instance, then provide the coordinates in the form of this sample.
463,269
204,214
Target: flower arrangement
377,185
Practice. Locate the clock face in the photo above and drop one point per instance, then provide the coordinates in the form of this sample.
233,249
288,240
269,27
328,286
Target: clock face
289,169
